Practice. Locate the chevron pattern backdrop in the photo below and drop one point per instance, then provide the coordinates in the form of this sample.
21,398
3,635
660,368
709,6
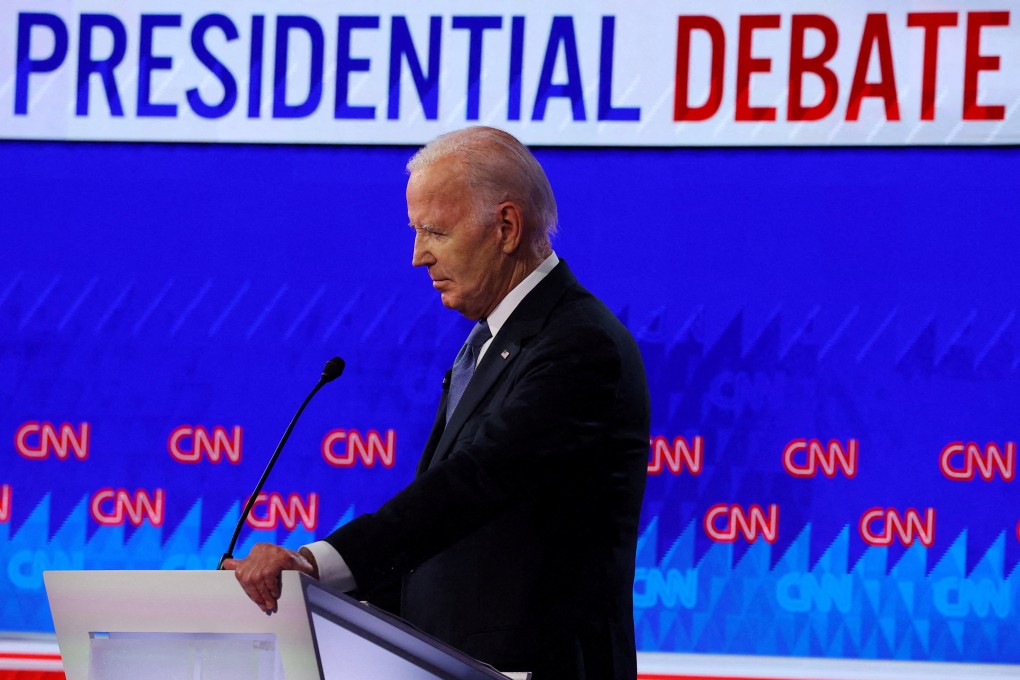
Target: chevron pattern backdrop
164,308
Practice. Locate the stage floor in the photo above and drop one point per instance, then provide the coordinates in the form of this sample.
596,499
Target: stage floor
37,657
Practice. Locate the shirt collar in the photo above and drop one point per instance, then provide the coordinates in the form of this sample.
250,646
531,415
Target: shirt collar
514,298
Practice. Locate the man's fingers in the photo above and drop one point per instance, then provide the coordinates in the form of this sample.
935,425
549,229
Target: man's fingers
266,600
259,594
259,573
258,591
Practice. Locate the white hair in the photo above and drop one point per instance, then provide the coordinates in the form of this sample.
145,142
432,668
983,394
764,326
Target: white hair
498,168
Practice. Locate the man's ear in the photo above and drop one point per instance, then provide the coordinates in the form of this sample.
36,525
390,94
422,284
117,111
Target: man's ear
511,227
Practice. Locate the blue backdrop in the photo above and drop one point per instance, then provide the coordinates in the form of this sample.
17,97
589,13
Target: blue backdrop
777,295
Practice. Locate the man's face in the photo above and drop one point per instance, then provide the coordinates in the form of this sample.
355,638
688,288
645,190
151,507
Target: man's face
464,258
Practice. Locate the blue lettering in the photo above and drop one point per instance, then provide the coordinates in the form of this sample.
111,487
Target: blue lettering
476,27
606,109
799,593
675,588
27,65
561,33
736,392
958,597
214,65
25,568
345,64
104,67
284,25
427,84
513,105
147,63
258,29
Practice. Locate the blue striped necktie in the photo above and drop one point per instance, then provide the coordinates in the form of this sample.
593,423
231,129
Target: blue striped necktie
464,365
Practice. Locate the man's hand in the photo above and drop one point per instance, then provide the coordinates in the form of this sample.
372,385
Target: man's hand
259,572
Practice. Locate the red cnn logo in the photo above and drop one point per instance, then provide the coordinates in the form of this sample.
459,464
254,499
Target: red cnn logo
817,456
750,524
113,507
675,457
354,446
5,502
958,461
892,525
289,511
35,440
187,444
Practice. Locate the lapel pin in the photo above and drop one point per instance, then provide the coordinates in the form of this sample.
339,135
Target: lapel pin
505,354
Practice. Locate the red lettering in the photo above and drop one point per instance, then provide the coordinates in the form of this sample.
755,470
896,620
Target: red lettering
748,65
49,441
369,448
831,459
114,507
686,25
295,509
750,524
5,502
801,64
985,462
201,443
931,22
876,34
267,521
906,528
975,62
680,455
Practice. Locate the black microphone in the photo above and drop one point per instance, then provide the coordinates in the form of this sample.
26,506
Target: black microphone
332,370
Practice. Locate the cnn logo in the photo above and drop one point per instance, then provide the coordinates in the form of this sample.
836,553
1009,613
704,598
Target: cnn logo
808,457
192,443
117,507
676,457
344,448
882,526
37,441
725,523
963,462
270,510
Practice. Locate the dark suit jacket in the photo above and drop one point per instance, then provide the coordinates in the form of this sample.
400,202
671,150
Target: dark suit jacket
516,539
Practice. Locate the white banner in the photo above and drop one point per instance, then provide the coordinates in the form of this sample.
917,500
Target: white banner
553,72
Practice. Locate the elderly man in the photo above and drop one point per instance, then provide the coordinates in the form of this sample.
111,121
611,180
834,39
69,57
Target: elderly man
515,542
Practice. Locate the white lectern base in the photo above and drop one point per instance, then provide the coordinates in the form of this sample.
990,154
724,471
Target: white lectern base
199,625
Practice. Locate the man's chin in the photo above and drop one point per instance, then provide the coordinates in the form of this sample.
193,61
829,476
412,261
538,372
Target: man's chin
457,305
448,301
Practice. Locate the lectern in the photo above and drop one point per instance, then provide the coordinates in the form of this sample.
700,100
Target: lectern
199,625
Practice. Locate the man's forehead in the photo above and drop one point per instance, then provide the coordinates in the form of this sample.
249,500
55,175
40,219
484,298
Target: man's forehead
445,176
446,165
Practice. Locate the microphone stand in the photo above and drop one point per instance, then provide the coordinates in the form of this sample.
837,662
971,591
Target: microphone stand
334,367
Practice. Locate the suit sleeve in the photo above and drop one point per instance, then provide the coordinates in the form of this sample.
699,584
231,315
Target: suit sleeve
558,409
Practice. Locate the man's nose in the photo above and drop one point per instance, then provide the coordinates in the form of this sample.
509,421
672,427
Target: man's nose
420,255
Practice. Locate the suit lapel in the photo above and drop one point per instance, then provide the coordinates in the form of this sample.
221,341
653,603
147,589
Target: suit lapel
525,321
437,428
